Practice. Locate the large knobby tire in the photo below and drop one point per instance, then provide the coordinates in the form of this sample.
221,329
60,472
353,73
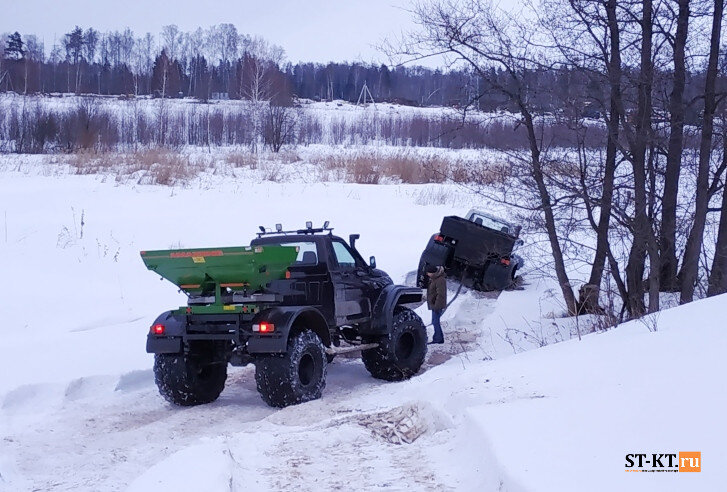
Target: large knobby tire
190,379
401,353
295,377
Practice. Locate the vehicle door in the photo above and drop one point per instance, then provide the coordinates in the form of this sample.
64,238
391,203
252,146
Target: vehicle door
348,273
309,277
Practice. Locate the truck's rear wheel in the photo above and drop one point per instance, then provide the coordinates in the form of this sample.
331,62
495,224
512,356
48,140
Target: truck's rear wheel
297,376
190,379
400,354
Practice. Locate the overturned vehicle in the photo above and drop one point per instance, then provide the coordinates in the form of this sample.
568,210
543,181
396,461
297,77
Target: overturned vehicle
478,250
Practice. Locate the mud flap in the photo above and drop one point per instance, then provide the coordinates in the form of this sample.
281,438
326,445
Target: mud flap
497,277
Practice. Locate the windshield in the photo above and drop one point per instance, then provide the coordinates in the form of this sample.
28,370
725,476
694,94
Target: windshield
343,256
491,222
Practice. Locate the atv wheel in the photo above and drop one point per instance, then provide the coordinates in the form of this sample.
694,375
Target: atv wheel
190,379
297,376
400,354
479,283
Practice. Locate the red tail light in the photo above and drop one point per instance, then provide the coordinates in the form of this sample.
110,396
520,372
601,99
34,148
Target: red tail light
263,327
287,273
439,238
505,261
158,329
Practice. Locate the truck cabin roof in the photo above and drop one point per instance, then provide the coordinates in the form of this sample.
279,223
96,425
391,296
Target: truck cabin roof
292,238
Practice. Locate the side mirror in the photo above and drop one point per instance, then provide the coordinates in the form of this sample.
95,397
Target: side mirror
352,240
372,262
519,242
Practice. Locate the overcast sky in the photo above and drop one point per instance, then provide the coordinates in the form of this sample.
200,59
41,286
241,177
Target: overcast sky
308,30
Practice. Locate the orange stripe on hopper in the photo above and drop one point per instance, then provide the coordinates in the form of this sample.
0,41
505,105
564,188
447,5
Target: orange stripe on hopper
186,254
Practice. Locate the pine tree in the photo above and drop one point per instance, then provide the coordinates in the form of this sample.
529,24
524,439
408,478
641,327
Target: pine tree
14,47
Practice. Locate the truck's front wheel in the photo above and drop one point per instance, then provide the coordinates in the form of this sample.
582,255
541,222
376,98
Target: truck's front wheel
401,353
192,378
297,376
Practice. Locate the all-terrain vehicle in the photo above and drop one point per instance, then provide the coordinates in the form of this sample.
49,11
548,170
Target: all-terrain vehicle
477,249
287,303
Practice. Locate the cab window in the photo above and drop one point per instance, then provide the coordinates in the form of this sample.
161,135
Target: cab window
307,253
489,222
344,258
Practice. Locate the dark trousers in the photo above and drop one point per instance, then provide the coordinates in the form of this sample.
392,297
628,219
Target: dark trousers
436,316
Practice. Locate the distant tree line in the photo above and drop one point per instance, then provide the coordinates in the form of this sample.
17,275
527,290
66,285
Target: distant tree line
220,63
212,63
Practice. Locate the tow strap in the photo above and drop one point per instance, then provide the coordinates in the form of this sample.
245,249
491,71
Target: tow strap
456,293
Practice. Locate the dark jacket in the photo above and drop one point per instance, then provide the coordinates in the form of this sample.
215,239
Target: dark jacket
437,290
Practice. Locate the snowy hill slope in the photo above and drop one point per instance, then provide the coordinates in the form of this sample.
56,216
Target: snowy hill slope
558,418
79,409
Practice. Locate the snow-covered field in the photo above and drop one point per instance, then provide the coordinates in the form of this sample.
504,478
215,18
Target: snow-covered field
79,409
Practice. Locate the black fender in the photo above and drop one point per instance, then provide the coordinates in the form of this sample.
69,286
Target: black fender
438,254
283,318
171,342
390,297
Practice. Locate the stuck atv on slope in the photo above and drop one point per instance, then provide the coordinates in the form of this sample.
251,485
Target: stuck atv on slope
478,249
287,303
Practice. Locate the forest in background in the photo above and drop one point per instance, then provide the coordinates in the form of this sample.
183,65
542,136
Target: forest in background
221,63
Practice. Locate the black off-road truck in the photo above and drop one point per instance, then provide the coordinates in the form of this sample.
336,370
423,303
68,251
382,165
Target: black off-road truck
288,303
478,249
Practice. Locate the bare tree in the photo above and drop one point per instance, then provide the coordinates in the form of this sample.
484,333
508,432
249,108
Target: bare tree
226,39
171,38
718,273
677,106
259,62
690,264
638,139
279,126
587,34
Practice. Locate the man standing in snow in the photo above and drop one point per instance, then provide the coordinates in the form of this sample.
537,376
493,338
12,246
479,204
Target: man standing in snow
437,299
